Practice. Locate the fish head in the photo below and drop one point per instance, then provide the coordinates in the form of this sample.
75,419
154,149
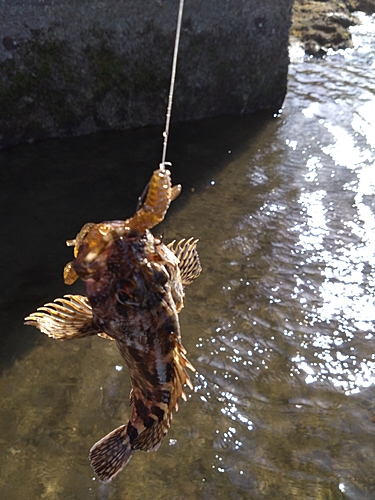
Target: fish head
120,265
91,248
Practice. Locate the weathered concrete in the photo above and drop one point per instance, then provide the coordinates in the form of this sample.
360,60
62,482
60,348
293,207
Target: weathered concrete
76,66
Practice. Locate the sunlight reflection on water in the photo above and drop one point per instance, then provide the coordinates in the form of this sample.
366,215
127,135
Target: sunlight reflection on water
337,235
311,277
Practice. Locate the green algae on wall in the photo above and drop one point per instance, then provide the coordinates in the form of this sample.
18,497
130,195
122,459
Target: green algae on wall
76,67
38,91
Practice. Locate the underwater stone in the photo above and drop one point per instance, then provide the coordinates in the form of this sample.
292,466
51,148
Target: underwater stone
88,65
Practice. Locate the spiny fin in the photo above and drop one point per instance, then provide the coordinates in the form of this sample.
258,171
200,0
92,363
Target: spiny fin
189,263
65,318
105,336
110,455
181,378
131,397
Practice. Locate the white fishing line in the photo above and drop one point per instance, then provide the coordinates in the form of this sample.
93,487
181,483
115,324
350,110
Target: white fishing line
171,88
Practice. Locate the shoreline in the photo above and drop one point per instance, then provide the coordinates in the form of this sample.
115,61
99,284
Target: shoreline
322,25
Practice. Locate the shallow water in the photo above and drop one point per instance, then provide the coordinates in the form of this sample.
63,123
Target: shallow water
279,327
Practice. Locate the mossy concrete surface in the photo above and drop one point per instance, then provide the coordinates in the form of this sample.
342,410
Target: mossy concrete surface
71,67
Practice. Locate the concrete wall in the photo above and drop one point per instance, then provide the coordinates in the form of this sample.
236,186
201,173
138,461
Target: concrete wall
71,67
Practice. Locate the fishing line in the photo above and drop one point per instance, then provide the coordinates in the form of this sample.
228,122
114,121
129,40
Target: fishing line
171,88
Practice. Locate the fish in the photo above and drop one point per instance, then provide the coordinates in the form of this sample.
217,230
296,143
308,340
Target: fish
134,292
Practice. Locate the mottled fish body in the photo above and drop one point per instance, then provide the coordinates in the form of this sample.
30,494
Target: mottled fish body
134,292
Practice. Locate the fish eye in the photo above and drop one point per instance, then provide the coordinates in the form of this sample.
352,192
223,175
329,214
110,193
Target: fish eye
124,294
161,277
126,300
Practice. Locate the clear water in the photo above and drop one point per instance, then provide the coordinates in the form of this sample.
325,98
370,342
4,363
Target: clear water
280,326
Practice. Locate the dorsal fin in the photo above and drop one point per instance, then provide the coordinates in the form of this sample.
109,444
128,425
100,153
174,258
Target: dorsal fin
189,263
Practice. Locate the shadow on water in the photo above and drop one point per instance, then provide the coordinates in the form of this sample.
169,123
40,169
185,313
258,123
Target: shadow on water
51,188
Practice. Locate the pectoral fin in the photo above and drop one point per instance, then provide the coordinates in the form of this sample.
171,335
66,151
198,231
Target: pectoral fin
189,263
65,318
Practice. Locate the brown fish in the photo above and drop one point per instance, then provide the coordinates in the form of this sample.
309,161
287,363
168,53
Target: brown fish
134,292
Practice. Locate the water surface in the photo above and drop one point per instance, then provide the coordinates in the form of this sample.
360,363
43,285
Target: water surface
280,326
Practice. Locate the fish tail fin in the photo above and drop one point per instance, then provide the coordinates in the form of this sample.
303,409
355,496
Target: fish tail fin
110,455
